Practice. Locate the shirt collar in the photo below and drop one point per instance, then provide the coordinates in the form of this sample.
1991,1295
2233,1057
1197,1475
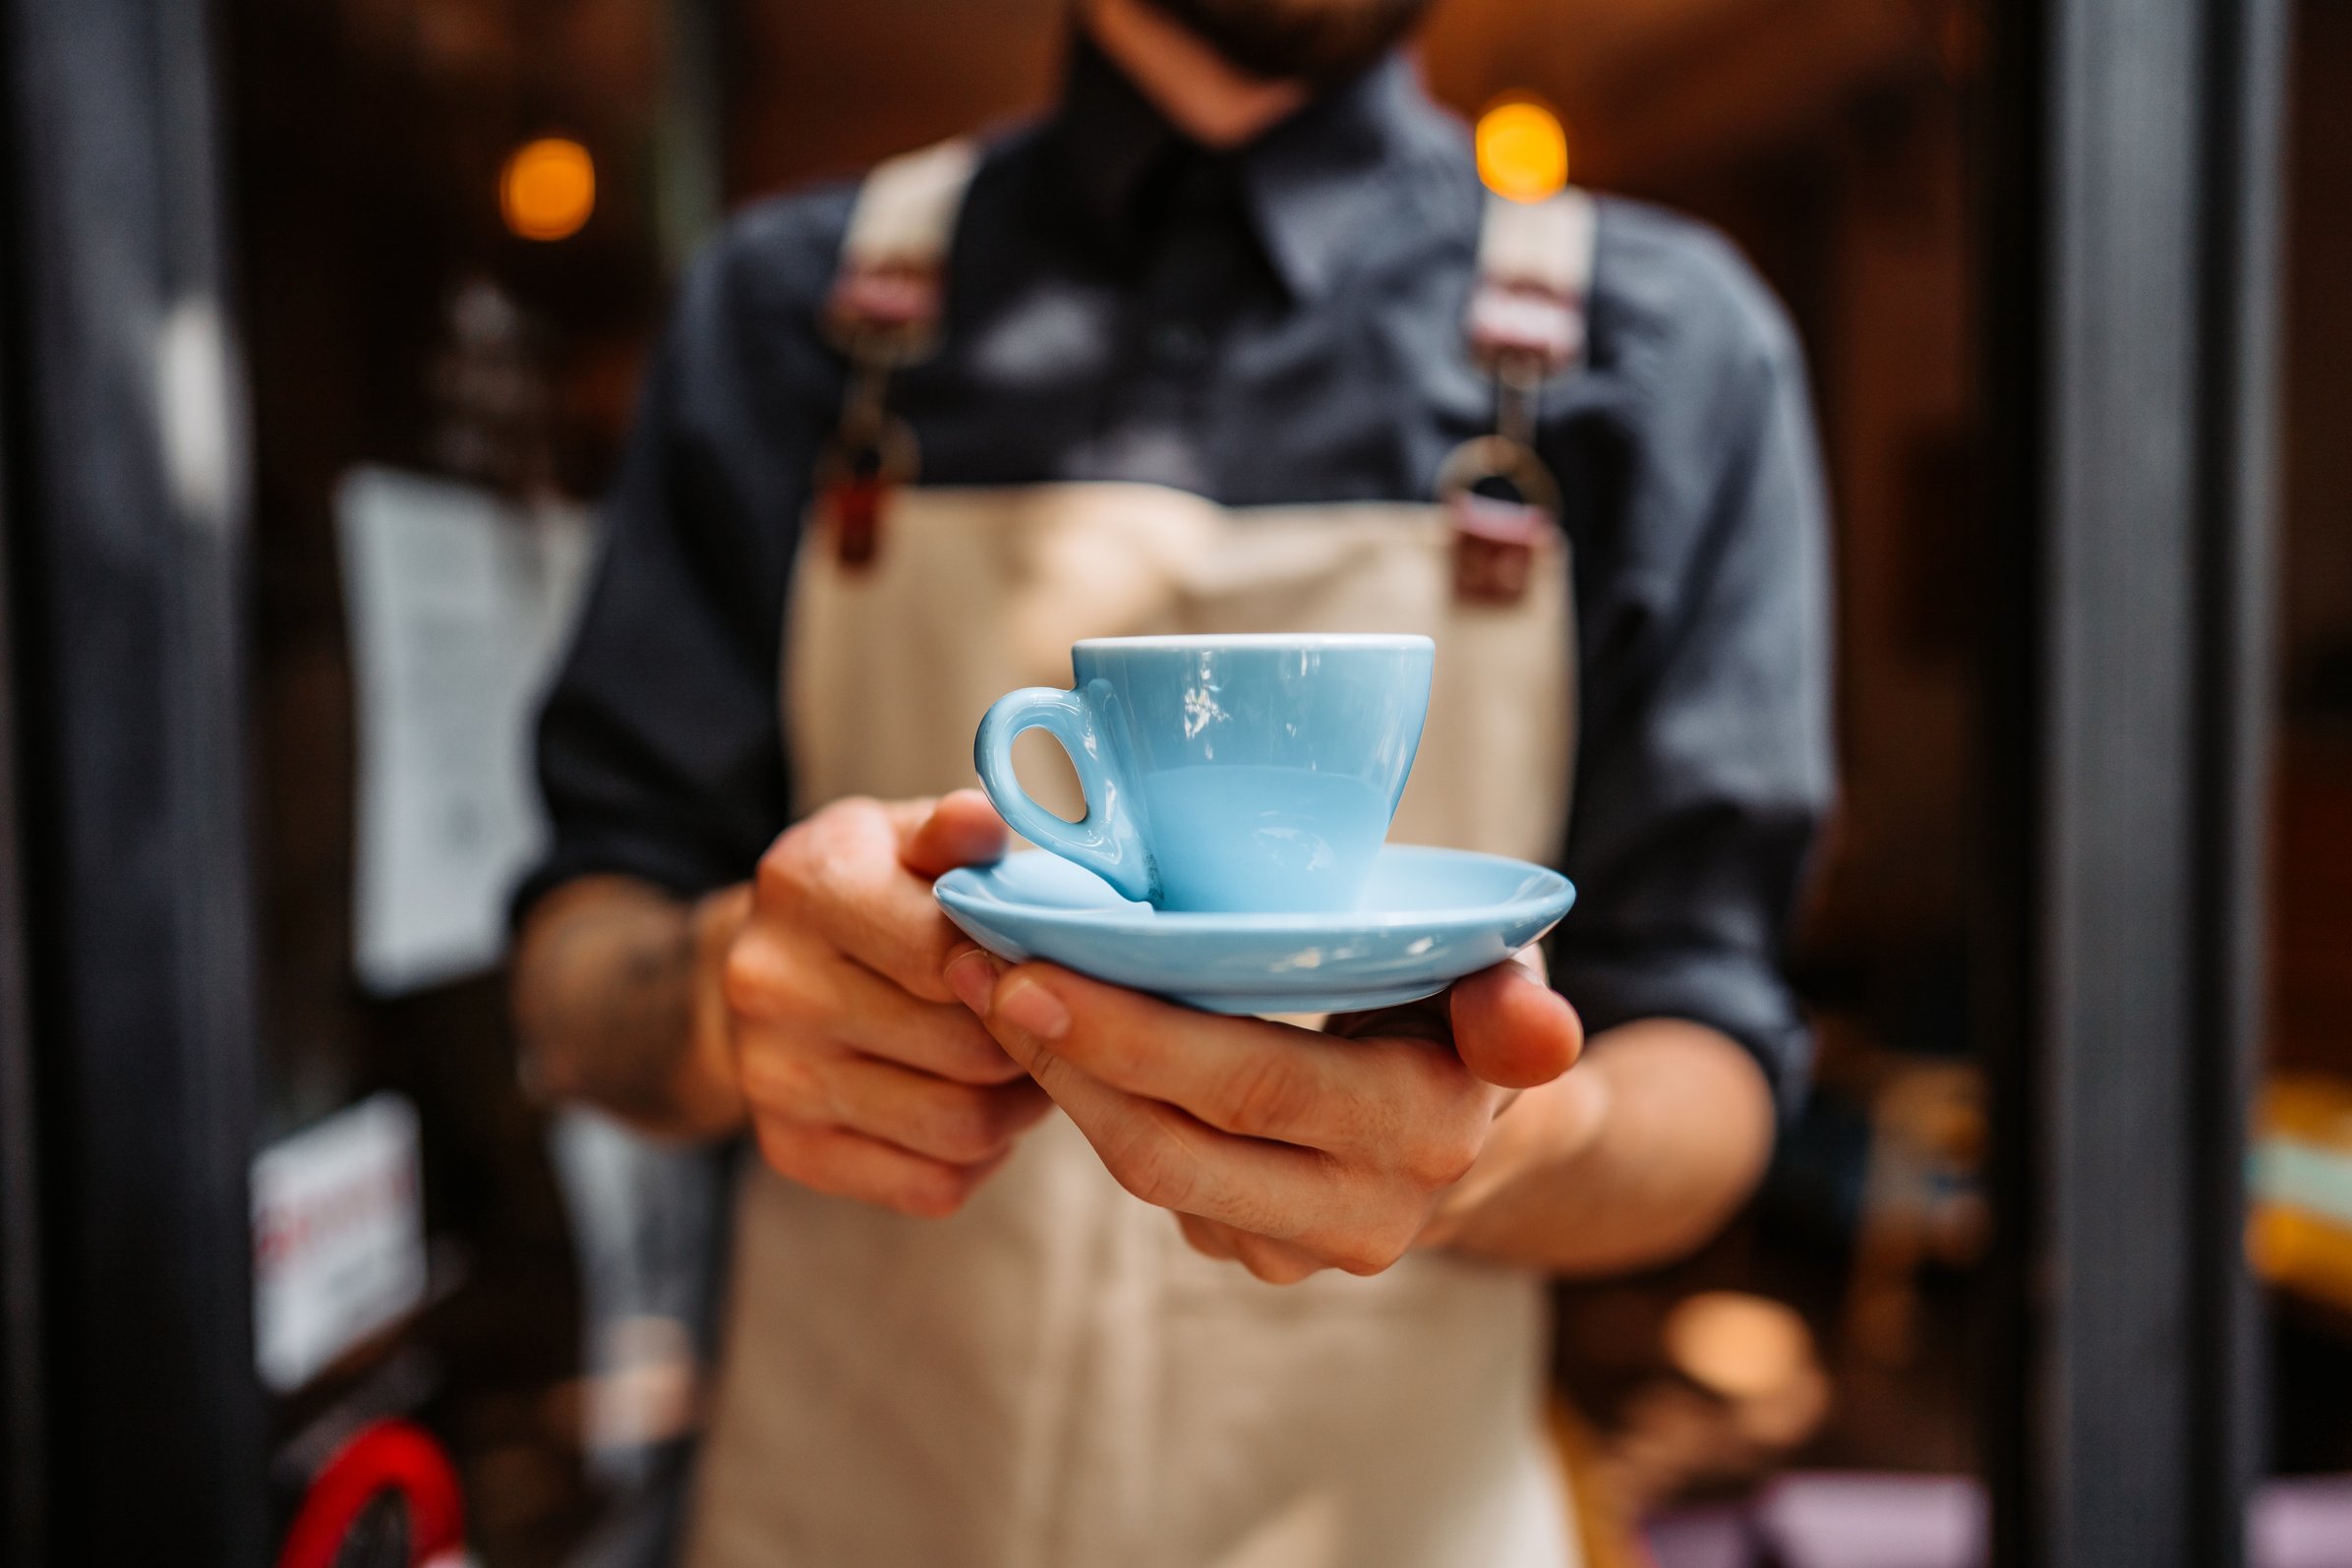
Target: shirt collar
1311,183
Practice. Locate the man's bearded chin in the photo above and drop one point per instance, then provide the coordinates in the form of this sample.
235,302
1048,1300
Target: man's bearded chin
1297,40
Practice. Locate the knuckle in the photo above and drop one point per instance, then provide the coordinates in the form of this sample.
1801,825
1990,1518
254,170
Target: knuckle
763,979
849,830
1051,1073
1149,1176
1154,1169
807,859
775,1080
1361,1255
1365,1262
1442,1159
966,1125
821,869
747,976
1265,1098
787,1153
1205,1238
935,1194
1273,1265
783,875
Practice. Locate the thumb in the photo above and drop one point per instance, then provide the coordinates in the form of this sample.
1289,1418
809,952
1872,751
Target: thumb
959,829
1511,1029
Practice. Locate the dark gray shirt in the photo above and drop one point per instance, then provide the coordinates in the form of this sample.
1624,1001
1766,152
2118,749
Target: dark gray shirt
1280,325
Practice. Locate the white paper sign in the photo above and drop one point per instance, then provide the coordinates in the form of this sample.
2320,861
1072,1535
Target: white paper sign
338,1236
459,605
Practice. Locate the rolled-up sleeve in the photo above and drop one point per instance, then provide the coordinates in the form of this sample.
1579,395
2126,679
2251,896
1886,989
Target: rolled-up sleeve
659,748
1705,770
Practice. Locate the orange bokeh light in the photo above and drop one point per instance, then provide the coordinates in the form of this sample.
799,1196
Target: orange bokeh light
1522,151
547,189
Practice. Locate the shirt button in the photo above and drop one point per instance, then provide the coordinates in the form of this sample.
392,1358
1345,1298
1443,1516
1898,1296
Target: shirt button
1179,342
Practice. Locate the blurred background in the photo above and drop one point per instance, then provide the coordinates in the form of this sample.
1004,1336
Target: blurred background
446,231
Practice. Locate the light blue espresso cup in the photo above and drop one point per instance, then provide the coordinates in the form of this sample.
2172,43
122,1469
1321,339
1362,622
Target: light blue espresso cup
1238,774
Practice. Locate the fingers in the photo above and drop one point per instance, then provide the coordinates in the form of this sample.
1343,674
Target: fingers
1275,1262
960,829
1169,1160
1208,1237
1289,1150
850,1165
865,1078
1245,1077
857,1127
841,872
1356,1213
1511,1029
962,1124
877,1018
778,980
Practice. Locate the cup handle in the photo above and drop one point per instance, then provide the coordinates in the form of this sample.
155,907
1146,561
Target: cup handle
1106,840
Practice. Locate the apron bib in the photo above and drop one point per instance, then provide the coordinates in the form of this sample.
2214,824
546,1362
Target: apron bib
1053,1376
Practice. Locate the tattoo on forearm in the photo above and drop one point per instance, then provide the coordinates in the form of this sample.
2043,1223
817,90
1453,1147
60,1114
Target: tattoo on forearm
620,981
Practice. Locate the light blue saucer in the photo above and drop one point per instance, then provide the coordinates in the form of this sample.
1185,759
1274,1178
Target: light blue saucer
1428,917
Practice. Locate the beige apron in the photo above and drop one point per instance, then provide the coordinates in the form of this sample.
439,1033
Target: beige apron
1053,1376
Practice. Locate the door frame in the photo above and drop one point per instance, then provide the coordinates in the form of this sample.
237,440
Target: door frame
2133,243
132,1046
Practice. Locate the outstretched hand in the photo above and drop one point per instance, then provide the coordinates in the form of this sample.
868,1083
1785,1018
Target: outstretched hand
1285,1149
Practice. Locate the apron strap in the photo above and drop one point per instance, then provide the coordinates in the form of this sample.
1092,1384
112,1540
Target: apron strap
884,313
1527,307
888,295
1526,320
1526,323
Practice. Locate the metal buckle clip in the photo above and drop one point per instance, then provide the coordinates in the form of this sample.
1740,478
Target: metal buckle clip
872,450
1495,539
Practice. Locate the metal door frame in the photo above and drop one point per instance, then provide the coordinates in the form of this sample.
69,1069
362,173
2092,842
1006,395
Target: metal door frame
131,1048
2135,191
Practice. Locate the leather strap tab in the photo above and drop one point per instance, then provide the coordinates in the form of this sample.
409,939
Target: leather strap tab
1535,269
889,293
1495,546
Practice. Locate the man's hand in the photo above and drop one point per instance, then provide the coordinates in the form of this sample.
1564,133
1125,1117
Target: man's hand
861,1074
1287,1149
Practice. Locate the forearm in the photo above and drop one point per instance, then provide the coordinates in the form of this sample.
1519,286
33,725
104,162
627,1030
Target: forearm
1635,1157
615,1004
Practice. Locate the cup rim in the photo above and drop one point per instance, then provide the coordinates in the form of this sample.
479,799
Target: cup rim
1398,641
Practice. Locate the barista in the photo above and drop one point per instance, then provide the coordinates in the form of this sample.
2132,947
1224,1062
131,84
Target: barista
1034,1270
